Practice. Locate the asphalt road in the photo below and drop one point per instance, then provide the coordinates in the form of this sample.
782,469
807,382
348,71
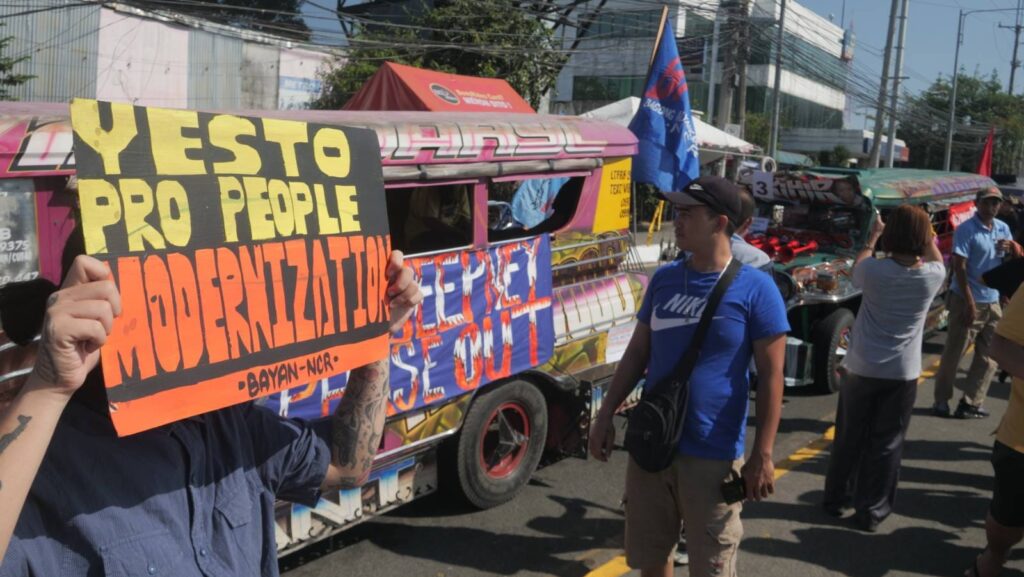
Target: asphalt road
567,521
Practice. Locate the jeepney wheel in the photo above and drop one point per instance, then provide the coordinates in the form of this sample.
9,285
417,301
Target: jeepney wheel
831,340
501,443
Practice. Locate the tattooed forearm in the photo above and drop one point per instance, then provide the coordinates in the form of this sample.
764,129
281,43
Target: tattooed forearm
45,368
359,422
6,440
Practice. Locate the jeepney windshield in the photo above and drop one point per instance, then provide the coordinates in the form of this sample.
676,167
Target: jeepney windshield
19,242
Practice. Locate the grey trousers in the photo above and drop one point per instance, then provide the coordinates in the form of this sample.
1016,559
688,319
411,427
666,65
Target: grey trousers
871,423
983,368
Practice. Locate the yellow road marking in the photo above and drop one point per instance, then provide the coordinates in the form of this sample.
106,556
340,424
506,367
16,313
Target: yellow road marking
613,568
617,566
807,453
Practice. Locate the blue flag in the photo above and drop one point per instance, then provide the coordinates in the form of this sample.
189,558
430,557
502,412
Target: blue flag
667,155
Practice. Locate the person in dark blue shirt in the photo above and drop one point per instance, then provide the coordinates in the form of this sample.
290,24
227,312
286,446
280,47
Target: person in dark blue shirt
191,499
749,322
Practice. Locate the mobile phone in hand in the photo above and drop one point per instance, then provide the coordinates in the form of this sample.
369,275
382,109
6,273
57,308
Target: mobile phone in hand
734,490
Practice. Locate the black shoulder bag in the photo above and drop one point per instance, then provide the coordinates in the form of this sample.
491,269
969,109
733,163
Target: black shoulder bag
656,422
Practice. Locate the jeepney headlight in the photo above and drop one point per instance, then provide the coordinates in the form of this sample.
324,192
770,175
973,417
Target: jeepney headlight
803,277
787,286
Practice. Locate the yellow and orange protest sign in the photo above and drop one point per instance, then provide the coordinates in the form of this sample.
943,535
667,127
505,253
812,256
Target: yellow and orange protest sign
249,254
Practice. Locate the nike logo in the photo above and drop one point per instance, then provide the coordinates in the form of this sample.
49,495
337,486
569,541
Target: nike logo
661,323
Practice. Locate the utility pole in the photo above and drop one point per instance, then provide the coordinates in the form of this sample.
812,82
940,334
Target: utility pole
1015,63
897,77
742,56
876,140
713,69
951,128
952,93
773,138
724,115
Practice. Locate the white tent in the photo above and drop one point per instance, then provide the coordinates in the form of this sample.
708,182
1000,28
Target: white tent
712,142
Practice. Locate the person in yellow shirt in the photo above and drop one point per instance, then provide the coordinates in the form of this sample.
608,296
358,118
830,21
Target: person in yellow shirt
1004,525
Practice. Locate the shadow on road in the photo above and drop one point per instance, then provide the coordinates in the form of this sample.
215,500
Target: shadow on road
582,526
575,529
847,552
947,502
958,451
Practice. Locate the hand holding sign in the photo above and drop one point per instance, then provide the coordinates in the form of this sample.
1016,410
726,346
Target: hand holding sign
79,318
250,254
403,292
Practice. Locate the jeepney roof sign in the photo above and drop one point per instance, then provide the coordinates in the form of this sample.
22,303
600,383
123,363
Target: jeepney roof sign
35,138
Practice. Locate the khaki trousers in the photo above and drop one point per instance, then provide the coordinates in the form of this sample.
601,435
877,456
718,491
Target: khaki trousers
983,368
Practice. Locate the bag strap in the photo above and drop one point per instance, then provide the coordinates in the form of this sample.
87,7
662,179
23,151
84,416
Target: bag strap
689,360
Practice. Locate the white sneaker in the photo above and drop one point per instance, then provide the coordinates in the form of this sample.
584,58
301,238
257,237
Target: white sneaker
681,558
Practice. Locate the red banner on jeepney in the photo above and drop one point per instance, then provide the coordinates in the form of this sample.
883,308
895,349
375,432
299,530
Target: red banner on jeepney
960,213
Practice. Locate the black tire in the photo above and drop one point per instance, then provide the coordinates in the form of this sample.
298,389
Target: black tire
487,475
827,337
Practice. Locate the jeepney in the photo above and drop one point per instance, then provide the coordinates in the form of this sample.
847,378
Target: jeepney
520,328
813,223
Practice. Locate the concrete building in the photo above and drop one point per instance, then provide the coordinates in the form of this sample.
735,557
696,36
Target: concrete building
612,57
116,52
856,141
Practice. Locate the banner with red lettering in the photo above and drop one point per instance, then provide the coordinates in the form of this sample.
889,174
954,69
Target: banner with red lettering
249,254
486,315
961,213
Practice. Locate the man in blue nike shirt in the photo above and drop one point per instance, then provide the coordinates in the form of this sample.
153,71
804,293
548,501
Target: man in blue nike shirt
749,322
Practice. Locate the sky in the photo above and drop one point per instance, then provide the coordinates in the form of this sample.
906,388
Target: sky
931,37
930,45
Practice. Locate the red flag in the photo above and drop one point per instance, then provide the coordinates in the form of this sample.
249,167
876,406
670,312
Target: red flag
985,163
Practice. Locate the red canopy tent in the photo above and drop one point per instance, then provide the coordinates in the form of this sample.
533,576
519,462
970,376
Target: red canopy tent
400,87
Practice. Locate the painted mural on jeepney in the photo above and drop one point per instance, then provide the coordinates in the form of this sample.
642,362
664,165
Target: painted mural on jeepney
388,487
486,315
935,187
42,145
43,141
580,256
408,142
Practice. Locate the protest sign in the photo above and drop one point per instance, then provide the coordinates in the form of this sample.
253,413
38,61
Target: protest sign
250,254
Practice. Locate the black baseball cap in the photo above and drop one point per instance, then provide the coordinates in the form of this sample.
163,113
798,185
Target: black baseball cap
719,194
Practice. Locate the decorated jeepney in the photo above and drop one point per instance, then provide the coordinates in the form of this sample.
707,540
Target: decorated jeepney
521,325
813,223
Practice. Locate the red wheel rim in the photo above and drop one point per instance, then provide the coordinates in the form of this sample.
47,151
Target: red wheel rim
505,440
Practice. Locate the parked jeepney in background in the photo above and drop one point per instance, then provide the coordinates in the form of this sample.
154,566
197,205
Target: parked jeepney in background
813,223
520,328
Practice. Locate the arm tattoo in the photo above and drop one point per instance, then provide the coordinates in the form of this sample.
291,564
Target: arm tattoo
6,440
357,422
44,366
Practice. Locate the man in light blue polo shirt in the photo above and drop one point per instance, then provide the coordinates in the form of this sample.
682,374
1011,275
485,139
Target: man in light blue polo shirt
979,245
743,251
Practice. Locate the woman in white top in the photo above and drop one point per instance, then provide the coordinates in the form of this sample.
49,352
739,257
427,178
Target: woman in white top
882,365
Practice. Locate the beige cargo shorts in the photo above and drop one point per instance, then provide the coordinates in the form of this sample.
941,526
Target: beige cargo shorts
657,504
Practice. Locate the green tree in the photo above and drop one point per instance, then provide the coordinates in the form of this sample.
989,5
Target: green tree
836,157
490,39
980,103
757,129
8,78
